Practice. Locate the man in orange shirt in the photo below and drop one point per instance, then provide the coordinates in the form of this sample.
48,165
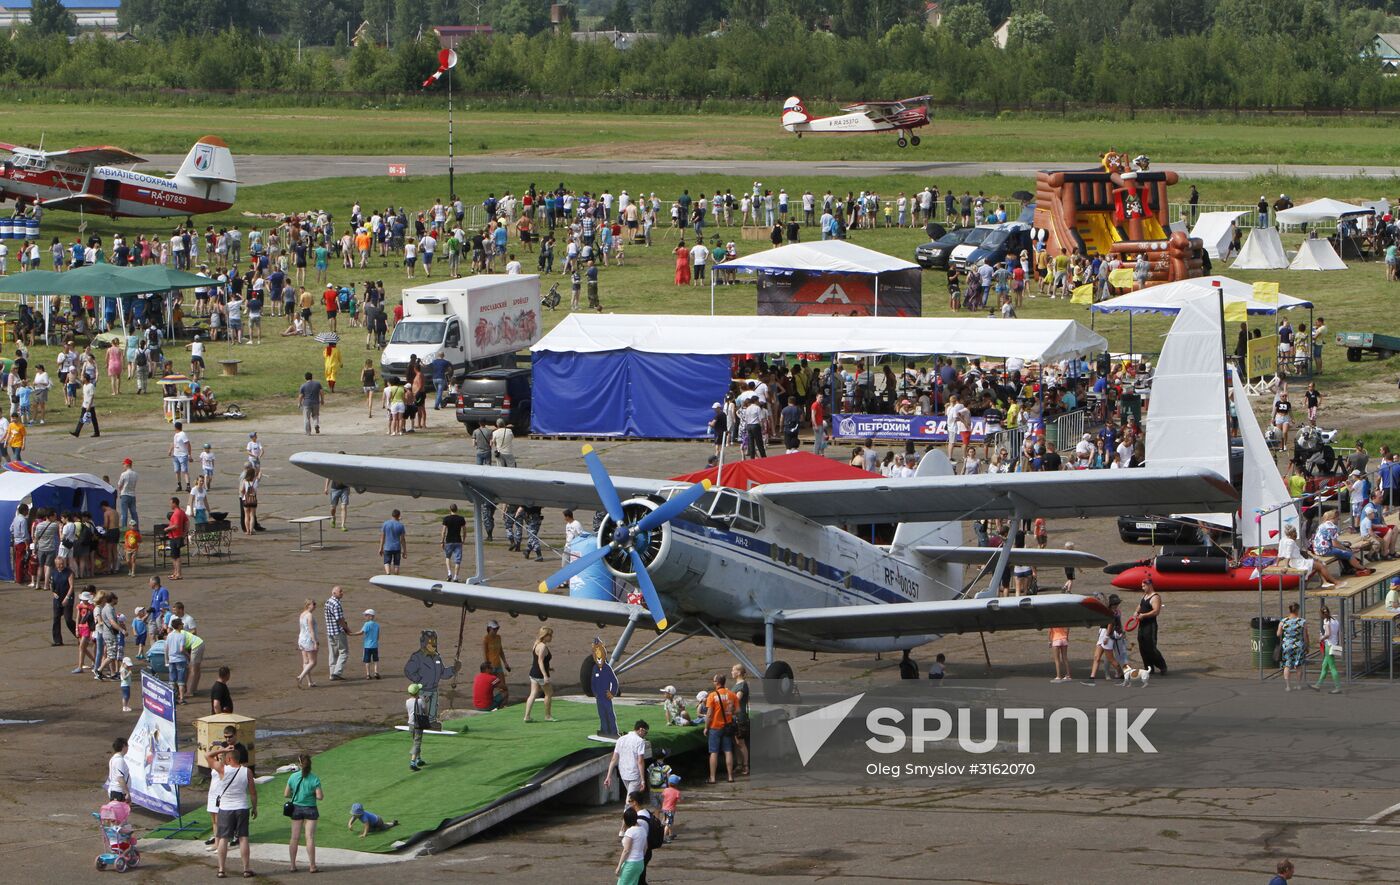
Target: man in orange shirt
362,244
720,709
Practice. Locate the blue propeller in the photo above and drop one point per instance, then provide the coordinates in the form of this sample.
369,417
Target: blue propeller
626,535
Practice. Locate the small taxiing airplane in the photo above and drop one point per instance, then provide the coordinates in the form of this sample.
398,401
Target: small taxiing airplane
904,116
773,566
84,179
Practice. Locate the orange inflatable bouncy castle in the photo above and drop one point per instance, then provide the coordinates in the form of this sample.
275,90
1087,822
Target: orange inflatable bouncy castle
1119,208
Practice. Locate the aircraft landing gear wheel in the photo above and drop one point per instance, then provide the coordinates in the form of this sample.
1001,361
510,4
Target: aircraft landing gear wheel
914,140
778,684
902,141
585,676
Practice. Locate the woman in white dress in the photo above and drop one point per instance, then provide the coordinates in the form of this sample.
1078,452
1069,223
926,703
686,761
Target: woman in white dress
306,642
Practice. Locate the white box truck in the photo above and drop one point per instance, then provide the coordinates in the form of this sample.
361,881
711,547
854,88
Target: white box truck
473,321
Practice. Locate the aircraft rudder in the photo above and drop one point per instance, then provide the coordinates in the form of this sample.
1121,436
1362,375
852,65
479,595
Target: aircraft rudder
208,160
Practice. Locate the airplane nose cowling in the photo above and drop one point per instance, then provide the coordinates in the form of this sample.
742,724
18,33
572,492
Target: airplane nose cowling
651,545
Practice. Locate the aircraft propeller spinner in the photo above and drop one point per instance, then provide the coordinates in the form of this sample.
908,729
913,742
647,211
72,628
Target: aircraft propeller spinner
627,536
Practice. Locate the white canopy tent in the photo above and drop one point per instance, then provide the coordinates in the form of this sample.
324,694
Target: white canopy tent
1215,231
1317,254
820,256
1169,298
63,492
827,256
1044,340
1262,251
1319,210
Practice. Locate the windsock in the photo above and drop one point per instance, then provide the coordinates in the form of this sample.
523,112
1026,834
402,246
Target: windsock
447,60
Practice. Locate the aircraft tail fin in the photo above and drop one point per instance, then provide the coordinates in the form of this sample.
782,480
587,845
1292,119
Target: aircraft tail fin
208,161
794,112
911,535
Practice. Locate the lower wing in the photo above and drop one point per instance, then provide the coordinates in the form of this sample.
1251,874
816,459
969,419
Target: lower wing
74,202
514,602
945,616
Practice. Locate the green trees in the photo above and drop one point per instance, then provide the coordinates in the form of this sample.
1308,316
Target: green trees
50,17
1189,54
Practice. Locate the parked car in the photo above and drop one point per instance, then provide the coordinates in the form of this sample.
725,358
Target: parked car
1166,530
1157,530
486,395
935,254
1013,237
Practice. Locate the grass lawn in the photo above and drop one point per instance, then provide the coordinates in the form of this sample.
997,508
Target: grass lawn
496,756
687,134
1355,299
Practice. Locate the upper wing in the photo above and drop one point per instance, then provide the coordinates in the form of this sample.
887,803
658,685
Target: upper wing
946,616
513,602
1060,494
95,156
1019,556
74,202
436,479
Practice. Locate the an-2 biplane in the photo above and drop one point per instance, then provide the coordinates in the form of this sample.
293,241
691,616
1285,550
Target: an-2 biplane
903,116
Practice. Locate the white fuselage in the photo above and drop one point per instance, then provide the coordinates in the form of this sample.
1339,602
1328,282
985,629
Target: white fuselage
731,572
839,123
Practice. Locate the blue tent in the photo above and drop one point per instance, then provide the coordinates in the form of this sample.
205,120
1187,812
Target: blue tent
62,492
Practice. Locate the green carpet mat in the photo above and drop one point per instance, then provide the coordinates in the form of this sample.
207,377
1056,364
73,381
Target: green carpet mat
498,755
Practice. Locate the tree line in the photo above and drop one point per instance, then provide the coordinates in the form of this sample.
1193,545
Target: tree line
1183,54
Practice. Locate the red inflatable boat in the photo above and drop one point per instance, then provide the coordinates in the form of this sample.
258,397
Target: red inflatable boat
1197,573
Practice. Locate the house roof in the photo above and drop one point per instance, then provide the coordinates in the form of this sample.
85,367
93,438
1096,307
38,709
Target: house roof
1390,40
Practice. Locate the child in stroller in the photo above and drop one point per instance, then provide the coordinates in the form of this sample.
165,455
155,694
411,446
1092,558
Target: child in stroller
121,854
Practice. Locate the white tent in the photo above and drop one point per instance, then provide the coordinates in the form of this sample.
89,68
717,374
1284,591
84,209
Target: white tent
1213,229
1168,298
1262,251
1318,210
823,256
1317,255
1046,340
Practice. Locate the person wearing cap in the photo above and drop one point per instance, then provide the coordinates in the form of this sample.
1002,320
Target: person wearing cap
719,427
492,652
371,821
196,349
418,722
674,708
670,798
370,643
1392,596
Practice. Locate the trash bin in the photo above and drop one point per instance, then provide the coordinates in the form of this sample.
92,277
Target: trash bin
1263,642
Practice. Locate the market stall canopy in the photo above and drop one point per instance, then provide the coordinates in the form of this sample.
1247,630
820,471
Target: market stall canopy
1169,298
822,256
62,492
158,277
1044,340
31,282
1320,210
101,281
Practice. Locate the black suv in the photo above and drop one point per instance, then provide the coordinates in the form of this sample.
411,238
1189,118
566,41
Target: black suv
486,395
936,254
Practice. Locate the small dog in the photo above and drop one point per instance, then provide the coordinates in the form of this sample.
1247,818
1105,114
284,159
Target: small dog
1131,673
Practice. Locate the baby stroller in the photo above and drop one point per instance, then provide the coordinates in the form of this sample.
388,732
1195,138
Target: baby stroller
551,298
121,854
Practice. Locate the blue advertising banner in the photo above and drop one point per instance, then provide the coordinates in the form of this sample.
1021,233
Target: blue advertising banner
925,428
152,738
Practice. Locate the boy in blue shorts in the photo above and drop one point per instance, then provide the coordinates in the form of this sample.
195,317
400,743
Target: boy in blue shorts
370,632
138,629
370,820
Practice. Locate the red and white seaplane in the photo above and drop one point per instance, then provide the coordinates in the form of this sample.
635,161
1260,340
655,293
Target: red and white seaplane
80,179
903,116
